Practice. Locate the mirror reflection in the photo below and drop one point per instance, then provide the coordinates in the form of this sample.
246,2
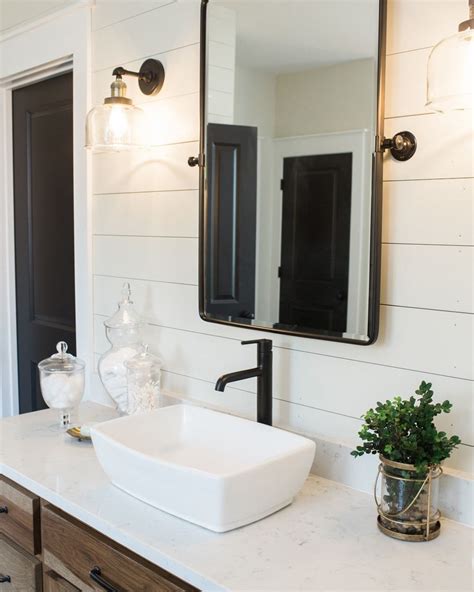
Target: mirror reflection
290,126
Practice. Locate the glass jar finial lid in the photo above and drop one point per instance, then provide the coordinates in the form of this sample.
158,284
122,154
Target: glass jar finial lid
126,315
61,361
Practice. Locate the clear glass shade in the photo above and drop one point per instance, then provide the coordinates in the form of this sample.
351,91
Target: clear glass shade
451,73
115,127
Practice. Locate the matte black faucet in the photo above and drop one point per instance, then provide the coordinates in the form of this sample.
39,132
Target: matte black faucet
264,374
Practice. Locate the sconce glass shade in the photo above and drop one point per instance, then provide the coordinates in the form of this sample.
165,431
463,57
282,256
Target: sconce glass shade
451,73
117,124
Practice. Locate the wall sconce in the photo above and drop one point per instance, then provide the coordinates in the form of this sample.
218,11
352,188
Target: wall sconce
118,124
402,146
451,69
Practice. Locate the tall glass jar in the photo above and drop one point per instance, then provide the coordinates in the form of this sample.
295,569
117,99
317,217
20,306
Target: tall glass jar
124,332
143,379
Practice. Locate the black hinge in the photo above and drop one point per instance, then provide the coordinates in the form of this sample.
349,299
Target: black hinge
282,184
279,272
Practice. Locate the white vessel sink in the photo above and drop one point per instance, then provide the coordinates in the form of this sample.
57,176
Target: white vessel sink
210,468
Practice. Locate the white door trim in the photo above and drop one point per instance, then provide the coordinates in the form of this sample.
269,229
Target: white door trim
59,44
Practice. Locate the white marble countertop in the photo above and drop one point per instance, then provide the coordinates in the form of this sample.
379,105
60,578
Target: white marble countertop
327,540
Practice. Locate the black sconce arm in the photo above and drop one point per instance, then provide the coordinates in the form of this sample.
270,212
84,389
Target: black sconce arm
151,76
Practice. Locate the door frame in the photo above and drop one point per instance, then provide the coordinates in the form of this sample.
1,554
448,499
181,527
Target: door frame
58,43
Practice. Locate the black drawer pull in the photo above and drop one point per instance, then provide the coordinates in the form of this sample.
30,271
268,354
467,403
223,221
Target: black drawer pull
96,575
5,579
3,510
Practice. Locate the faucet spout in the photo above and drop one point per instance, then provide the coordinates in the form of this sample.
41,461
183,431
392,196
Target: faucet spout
224,380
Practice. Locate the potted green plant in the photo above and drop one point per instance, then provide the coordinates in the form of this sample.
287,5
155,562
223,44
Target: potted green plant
411,449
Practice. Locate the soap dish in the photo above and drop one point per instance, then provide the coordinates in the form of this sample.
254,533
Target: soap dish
76,433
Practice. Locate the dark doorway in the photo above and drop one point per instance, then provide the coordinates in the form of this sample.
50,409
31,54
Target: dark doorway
44,227
316,217
232,220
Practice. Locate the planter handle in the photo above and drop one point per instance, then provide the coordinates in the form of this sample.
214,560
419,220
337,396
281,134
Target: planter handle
379,504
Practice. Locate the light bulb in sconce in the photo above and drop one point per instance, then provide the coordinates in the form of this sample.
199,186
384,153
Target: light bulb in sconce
450,81
118,124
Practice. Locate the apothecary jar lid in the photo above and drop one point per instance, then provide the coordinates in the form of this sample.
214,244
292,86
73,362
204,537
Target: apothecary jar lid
145,361
126,316
61,361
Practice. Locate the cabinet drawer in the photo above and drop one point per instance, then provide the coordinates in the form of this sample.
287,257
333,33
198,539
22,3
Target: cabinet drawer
73,550
19,571
52,582
20,516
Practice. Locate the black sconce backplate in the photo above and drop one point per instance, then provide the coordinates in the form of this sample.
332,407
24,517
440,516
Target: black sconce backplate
151,77
402,146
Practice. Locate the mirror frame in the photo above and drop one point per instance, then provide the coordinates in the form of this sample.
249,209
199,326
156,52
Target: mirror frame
376,201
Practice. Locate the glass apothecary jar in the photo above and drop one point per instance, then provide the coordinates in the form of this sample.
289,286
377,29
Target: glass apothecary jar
124,332
62,382
143,379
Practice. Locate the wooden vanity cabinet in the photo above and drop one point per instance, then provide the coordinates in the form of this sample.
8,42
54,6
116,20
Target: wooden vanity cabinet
43,549
20,516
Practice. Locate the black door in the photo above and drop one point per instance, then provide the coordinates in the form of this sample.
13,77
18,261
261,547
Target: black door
44,227
316,217
232,220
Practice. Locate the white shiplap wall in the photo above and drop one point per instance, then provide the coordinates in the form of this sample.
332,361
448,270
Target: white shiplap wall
145,230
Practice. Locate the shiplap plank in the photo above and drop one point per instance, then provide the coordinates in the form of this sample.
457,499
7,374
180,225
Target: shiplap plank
108,12
221,55
221,79
169,27
181,76
220,103
159,169
167,213
445,147
430,341
222,26
406,71
428,276
413,24
161,259
429,212
316,382
173,120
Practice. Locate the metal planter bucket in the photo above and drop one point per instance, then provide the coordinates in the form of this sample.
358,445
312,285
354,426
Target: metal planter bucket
408,507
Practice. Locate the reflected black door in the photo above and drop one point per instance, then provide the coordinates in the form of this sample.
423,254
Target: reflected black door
232,219
316,216
44,227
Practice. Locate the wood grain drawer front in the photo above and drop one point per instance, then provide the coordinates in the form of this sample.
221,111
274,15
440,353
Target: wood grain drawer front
52,582
20,516
19,571
73,550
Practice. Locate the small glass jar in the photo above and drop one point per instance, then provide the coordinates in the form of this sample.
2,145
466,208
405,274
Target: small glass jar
143,380
123,331
62,382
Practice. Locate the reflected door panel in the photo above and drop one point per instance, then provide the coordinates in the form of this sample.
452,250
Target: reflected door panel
314,273
231,220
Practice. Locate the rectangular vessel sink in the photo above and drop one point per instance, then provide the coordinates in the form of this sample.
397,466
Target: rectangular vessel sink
210,468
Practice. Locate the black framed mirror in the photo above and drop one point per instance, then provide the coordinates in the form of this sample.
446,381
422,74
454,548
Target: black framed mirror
291,116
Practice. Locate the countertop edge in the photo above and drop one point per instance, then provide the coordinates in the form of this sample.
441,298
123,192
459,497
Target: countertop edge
157,558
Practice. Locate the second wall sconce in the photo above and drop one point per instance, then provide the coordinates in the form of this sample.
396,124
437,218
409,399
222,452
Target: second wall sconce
118,124
450,84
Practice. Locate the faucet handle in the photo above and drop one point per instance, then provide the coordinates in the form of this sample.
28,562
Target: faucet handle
266,344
